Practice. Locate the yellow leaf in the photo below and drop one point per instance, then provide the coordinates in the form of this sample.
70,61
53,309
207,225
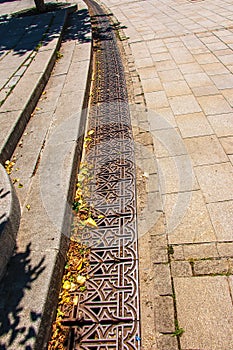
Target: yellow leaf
66,285
75,300
81,280
80,265
91,132
38,108
91,222
73,287
28,207
20,185
60,313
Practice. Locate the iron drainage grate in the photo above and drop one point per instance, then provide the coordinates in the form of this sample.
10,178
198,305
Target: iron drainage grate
107,316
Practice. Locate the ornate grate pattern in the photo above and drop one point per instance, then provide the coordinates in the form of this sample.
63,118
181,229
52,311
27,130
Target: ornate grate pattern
107,316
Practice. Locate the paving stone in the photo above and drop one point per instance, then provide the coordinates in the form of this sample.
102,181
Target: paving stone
221,214
162,279
168,143
147,72
208,267
222,124
161,118
166,65
210,178
167,341
150,85
164,56
223,81
195,124
197,79
214,68
187,68
214,104
177,252
176,174
200,251
182,55
205,150
164,314
227,143
170,75
181,269
225,249
226,59
184,104
156,99
205,58
139,50
176,88
228,94
144,62
231,158
204,309
187,218
205,90
216,46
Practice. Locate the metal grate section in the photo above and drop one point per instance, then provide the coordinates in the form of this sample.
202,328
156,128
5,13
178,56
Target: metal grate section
107,316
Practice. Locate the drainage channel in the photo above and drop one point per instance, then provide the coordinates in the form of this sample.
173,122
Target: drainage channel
107,315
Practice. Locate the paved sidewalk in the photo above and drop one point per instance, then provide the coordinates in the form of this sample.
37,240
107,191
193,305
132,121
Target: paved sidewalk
183,53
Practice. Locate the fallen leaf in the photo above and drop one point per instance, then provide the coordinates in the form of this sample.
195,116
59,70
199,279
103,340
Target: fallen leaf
91,222
81,280
75,300
66,285
28,207
80,265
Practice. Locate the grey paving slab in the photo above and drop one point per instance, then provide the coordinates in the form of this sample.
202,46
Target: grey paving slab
194,124
184,104
205,150
204,309
221,214
214,104
210,178
187,218
222,124
227,143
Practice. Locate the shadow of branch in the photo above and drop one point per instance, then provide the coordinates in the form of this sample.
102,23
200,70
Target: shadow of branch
19,278
28,31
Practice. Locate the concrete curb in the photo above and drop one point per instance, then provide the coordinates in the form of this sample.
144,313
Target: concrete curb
9,219
17,110
22,101
43,235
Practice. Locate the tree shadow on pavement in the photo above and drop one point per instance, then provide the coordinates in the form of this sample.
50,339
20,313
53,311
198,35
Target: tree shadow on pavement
78,27
27,31
18,279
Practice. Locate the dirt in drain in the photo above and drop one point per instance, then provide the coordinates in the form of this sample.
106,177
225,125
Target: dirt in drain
73,284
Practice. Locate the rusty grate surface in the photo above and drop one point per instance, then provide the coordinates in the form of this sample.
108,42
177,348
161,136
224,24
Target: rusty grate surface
107,316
